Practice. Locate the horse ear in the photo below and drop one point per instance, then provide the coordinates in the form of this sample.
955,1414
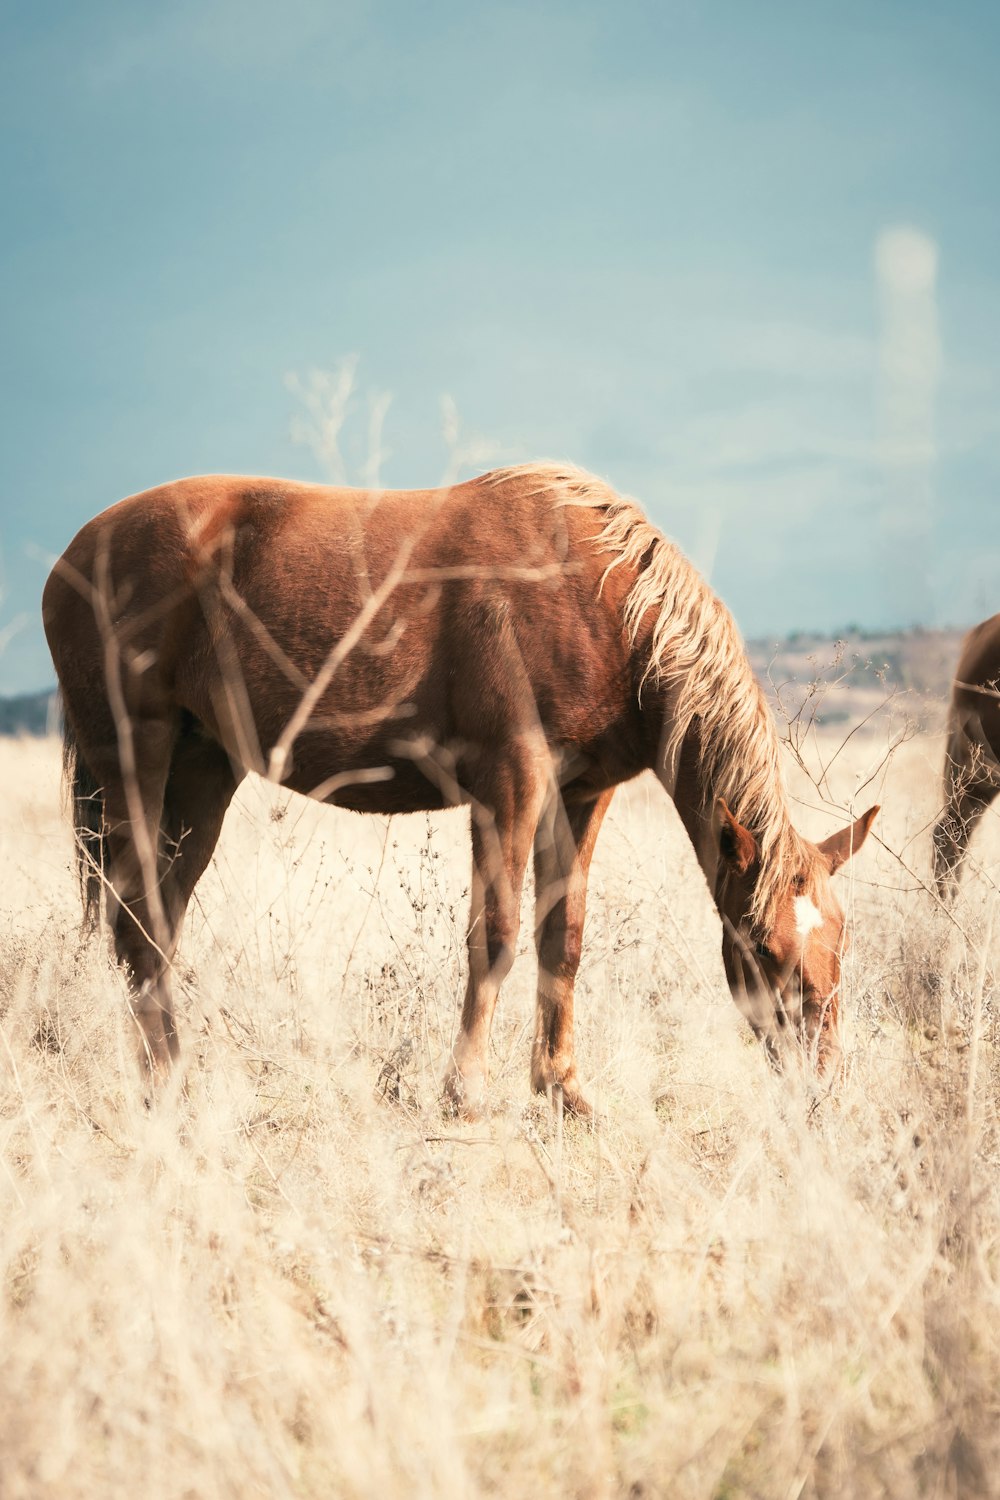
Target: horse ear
839,847
737,844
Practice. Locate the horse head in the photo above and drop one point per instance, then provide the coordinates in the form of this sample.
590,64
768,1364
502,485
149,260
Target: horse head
783,961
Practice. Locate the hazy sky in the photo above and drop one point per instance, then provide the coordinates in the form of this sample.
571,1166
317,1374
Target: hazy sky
741,259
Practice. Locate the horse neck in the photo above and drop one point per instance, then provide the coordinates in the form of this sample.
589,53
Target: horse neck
710,725
695,805
684,779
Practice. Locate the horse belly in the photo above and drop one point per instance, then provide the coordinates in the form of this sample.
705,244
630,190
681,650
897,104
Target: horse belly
385,775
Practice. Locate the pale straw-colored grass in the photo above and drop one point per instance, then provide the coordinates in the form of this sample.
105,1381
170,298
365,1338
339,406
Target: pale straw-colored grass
300,1278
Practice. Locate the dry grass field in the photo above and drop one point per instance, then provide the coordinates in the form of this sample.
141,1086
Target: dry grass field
299,1278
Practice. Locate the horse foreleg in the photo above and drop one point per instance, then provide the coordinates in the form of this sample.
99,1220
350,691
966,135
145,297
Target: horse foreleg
504,818
564,845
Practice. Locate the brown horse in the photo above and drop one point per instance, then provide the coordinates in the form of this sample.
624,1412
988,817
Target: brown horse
972,754
521,643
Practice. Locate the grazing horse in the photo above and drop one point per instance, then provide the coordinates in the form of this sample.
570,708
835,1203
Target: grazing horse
520,643
972,753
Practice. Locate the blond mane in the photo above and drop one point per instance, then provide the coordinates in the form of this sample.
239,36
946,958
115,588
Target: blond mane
697,654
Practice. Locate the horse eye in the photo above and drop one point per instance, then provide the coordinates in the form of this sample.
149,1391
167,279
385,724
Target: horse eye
763,951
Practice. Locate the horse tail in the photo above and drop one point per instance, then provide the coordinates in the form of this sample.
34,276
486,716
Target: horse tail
89,824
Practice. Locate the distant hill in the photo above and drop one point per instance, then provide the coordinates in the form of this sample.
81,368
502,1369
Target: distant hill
846,679
29,713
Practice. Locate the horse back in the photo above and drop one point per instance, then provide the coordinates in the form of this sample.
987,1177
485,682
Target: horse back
493,621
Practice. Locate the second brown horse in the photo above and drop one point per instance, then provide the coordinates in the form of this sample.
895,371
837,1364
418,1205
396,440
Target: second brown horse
521,644
972,752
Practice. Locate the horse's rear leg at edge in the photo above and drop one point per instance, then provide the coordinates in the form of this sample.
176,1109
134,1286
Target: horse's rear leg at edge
971,782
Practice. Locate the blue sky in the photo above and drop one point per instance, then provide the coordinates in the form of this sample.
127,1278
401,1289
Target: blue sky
641,236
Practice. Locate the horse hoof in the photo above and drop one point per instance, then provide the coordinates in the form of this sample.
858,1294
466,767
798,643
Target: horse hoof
568,1092
464,1097
573,1102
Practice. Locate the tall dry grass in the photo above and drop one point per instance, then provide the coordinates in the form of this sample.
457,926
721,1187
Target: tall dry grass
297,1277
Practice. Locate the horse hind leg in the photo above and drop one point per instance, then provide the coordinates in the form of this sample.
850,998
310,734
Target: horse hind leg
185,811
131,764
199,789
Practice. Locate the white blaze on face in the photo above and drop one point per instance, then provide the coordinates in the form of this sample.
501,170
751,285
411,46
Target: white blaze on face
807,916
